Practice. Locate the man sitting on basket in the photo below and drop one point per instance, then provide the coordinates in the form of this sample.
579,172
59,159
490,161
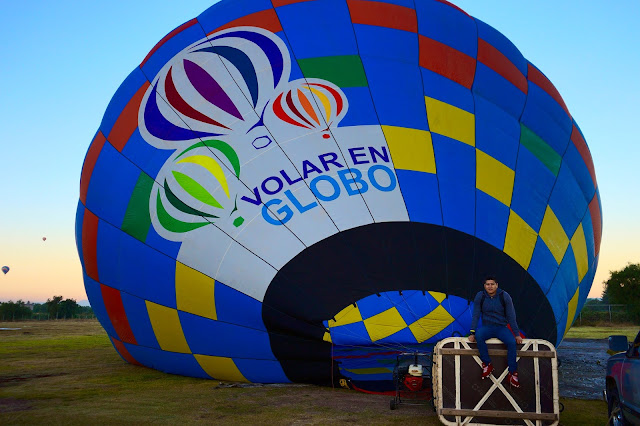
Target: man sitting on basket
496,307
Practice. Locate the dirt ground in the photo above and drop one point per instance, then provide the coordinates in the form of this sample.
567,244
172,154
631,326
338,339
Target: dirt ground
581,373
581,368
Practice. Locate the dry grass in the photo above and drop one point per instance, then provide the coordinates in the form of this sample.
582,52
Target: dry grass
66,372
579,412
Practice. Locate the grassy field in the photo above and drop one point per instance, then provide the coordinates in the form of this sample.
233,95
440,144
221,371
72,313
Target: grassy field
66,372
603,331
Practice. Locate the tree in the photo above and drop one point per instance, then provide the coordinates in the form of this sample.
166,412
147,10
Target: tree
53,306
594,302
39,308
68,308
85,311
623,287
14,310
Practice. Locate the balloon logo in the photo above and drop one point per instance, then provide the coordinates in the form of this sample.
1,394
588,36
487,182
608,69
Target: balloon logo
187,184
310,105
207,87
218,86
5,269
204,90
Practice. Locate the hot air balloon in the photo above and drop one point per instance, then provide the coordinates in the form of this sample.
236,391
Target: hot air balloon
297,191
5,269
44,238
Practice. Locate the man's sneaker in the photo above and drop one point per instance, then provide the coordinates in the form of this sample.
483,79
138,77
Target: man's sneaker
486,370
513,380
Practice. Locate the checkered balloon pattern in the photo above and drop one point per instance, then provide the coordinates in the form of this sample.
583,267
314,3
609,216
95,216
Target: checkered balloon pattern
297,190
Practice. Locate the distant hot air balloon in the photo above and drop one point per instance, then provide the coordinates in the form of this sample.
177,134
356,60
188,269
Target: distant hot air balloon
5,269
44,238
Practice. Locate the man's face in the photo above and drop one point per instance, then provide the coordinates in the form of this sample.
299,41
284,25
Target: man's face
491,287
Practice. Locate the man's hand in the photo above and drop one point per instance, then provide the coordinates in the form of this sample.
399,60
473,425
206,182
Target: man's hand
518,340
472,338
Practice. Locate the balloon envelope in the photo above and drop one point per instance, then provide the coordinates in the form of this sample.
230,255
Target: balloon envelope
297,191
5,269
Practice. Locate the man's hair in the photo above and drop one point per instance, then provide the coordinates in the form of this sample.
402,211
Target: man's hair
490,277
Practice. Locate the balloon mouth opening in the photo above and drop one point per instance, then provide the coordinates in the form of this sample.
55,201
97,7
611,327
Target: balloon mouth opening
369,336
339,279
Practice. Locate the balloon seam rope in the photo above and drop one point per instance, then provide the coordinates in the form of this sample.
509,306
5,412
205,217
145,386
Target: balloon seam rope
233,239
434,160
205,218
470,294
328,129
176,260
515,167
375,110
325,122
362,336
415,315
536,367
547,204
557,270
333,386
399,344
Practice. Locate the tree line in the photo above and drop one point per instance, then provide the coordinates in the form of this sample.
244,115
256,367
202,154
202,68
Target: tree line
54,308
623,288
620,300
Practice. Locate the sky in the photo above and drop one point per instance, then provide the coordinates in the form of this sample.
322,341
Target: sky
63,61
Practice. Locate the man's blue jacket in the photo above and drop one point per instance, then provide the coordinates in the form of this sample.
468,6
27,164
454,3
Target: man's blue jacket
493,313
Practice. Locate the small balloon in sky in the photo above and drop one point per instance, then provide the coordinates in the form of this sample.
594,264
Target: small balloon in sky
5,269
44,238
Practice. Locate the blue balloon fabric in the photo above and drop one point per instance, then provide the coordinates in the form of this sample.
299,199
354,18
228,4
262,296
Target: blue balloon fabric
297,190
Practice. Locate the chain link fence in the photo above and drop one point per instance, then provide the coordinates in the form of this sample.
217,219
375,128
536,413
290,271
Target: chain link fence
593,314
